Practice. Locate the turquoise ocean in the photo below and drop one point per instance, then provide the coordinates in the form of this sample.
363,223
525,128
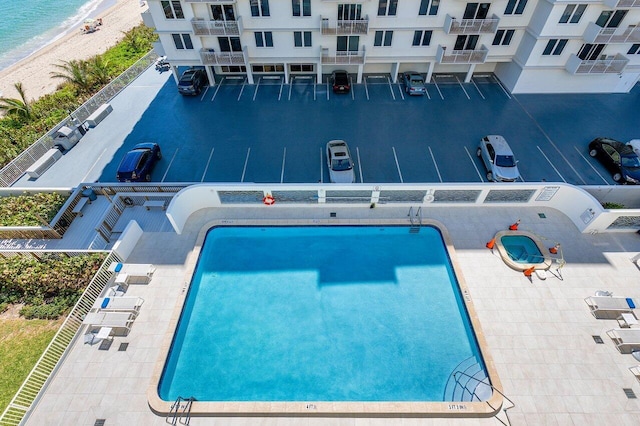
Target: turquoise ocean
26,26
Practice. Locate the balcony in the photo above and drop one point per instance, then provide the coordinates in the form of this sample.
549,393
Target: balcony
209,57
622,4
607,65
210,1
471,26
344,27
478,56
203,27
342,58
595,34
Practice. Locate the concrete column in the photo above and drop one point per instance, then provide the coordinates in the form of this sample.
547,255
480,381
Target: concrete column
249,74
394,71
211,76
467,78
429,72
360,71
286,73
319,73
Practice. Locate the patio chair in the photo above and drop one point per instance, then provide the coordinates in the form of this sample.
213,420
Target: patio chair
604,307
120,322
118,304
132,273
627,340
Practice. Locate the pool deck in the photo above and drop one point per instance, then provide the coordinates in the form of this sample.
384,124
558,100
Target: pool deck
539,332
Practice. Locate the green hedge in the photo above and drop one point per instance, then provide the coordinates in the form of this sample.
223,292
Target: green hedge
28,209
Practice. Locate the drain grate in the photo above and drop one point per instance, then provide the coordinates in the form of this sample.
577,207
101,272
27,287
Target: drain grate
630,393
542,216
105,345
333,214
123,347
100,422
598,340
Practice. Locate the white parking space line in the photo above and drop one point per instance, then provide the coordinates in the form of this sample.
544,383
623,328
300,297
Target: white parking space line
463,89
290,86
84,179
328,89
401,91
590,165
427,92
366,89
255,92
314,90
242,88
284,157
554,167
359,164
321,166
204,94
474,164
281,86
170,163
433,158
477,88
217,88
502,87
246,161
397,164
393,95
206,169
438,88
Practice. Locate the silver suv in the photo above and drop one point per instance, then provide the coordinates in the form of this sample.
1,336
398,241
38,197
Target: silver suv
498,159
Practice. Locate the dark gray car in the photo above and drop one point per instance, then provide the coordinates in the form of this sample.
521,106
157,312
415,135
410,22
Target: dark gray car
192,81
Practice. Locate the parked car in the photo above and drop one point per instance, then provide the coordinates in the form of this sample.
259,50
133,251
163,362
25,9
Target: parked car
137,164
635,145
192,81
340,82
413,83
339,162
498,159
618,158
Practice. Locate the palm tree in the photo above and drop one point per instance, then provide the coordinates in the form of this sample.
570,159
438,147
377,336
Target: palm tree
19,107
99,70
75,73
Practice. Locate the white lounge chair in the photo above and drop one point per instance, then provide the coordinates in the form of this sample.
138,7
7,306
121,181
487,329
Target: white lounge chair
118,304
603,307
132,273
119,321
626,340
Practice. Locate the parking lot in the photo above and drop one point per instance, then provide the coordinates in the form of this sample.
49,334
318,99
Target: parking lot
272,132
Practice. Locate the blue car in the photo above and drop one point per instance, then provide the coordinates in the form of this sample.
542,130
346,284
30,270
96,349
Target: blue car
138,164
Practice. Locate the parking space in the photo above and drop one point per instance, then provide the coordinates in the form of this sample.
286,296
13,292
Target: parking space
276,132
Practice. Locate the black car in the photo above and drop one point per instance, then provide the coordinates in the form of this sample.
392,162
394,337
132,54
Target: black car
340,82
619,158
137,164
192,81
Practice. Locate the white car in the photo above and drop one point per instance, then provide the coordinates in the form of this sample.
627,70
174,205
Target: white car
339,162
635,144
498,159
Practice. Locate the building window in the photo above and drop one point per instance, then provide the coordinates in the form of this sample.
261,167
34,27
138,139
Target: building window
349,12
421,38
264,39
347,43
233,68
223,12
172,9
572,13
383,38
230,44
515,7
610,18
466,42
387,7
635,50
555,46
476,11
268,68
590,52
302,38
182,41
503,37
429,7
301,7
301,68
259,7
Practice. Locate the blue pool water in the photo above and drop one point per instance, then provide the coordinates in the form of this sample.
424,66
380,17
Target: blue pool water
320,314
522,249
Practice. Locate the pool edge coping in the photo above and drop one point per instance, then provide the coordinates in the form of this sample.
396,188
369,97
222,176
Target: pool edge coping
487,408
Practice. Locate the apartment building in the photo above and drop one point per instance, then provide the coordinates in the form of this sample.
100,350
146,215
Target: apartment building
532,46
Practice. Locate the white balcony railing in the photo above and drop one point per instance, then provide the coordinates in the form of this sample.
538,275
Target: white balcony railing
470,26
477,56
203,27
622,4
343,26
597,35
210,57
607,65
345,58
210,1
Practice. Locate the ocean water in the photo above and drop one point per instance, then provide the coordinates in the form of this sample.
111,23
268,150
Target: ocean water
26,26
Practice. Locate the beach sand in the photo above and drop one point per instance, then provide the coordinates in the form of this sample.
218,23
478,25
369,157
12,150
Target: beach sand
34,72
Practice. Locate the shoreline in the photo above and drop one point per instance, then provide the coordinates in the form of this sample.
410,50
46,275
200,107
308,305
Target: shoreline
34,71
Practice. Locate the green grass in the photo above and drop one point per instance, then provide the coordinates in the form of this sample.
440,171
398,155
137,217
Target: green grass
22,342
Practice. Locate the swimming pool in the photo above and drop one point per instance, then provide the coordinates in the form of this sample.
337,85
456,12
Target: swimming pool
325,313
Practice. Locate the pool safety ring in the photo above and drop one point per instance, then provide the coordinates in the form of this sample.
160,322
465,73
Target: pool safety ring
127,201
269,200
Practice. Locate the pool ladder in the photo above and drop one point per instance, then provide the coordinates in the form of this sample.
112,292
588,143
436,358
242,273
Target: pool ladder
415,219
181,411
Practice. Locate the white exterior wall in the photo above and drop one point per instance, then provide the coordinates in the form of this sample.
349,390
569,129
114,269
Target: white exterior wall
520,65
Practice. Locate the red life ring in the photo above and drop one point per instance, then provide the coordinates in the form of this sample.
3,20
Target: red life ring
269,200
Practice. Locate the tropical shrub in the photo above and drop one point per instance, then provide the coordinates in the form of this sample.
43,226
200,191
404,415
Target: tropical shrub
30,209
